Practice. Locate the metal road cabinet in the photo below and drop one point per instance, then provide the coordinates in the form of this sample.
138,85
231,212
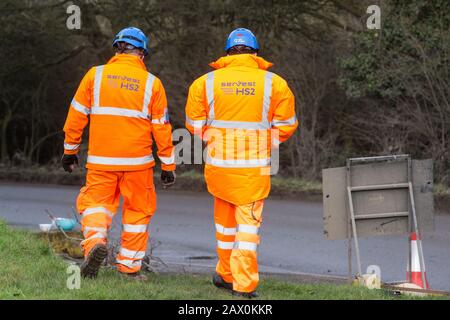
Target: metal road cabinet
378,196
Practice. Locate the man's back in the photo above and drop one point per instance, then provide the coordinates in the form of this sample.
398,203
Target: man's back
239,94
124,101
123,84
237,105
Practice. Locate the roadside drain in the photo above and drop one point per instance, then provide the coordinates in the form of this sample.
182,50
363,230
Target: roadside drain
201,258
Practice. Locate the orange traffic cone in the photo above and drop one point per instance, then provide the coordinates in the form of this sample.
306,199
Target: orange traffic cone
415,274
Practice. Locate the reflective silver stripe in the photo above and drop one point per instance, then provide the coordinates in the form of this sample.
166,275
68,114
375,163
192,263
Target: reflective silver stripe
132,254
244,245
71,146
79,107
225,245
415,262
97,235
148,92
236,163
225,231
90,211
99,230
267,97
276,142
288,122
97,85
238,124
168,160
247,229
195,123
136,228
210,93
264,124
113,111
120,161
159,121
163,120
130,263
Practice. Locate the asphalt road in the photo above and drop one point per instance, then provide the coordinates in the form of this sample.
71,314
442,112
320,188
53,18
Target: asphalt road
182,234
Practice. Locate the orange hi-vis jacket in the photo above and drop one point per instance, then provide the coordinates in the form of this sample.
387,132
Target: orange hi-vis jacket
241,109
126,105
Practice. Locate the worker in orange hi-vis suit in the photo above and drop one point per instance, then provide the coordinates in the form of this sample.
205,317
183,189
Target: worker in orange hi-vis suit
126,106
241,110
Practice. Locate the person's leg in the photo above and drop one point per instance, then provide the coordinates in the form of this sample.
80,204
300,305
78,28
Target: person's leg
97,203
225,223
139,204
244,263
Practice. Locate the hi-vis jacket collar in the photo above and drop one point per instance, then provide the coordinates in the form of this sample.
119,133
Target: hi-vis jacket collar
129,59
246,60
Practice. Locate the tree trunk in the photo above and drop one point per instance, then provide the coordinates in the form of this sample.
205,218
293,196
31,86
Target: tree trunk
4,157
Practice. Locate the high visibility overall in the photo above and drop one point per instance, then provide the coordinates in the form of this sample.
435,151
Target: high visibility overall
241,110
125,105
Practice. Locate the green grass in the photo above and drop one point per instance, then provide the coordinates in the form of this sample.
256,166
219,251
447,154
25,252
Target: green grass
188,180
29,270
281,184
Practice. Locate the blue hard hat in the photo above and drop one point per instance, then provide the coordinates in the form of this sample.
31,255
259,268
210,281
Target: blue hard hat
133,36
243,37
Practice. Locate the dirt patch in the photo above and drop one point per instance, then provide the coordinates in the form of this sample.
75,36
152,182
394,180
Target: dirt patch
61,245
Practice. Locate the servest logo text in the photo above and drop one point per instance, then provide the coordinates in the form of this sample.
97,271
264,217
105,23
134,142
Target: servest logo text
239,88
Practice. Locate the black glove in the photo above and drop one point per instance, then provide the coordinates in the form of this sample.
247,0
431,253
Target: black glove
69,160
167,178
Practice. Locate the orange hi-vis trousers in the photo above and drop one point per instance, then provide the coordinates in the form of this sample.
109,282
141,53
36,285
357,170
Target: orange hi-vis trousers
98,202
237,233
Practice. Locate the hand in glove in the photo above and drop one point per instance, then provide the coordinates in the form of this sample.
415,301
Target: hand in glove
69,161
167,178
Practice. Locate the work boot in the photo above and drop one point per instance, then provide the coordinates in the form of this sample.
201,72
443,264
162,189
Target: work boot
247,295
91,264
137,276
220,283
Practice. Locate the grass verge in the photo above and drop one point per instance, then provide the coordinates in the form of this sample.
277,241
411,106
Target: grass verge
29,270
187,180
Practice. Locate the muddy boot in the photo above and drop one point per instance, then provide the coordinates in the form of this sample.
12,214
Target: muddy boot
220,283
91,264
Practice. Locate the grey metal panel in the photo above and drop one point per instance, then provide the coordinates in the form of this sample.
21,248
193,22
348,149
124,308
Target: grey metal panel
382,201
379,173
334,203
377,201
